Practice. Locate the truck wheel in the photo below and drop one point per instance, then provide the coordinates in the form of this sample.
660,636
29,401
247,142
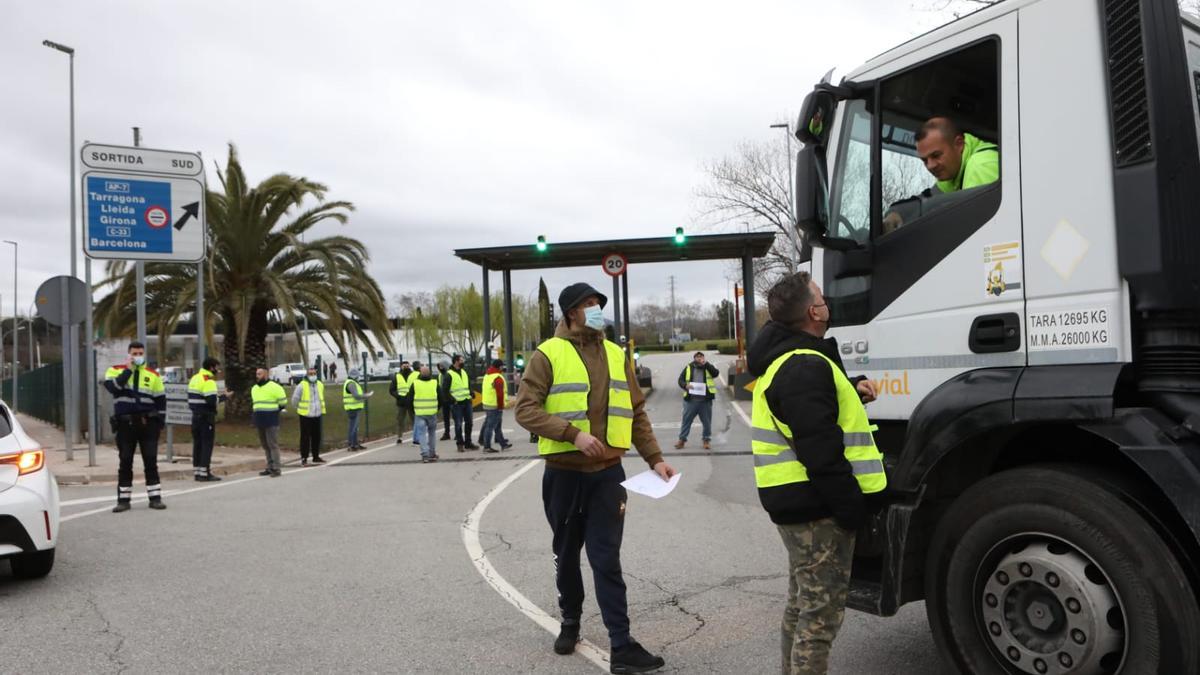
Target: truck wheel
32,565
1049,571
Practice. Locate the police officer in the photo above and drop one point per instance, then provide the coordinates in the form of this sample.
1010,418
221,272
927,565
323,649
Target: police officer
815,461
579,395
139,404
203,399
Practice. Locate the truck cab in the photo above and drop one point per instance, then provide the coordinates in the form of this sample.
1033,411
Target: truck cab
1035,338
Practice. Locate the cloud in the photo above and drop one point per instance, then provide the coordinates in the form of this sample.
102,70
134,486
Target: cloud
449,125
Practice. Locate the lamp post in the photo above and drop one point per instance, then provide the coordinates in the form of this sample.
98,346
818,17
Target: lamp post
15,374
70,335
795,237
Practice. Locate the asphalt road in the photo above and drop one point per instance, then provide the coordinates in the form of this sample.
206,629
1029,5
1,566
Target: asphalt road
366,565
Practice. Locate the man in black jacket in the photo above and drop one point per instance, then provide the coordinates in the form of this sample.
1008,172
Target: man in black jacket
818,508
698,382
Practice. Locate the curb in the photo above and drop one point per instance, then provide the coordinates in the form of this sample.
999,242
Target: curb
166,471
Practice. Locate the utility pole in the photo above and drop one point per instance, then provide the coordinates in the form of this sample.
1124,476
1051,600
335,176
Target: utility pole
672,338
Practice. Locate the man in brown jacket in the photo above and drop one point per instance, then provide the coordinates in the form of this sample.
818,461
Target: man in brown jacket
581,487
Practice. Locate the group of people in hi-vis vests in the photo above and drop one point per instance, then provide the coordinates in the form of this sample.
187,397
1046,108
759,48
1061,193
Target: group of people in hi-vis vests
816,465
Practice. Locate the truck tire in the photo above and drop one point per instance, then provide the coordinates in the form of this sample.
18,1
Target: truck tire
1047,570
32,565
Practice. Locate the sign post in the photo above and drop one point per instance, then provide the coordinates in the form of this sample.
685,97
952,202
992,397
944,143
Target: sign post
614,265
178,412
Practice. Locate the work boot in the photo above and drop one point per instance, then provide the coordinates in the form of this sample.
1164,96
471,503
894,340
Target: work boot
707,445
121,507
633,658
212,477
265,472
680,443
567,638
157,504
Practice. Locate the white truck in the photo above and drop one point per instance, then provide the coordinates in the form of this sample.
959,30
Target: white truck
1036,340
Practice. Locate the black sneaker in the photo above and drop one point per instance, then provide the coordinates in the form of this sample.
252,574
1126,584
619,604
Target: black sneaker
505,446
471,446
265,472
489,449
633,658
276,474
352,448
212,477
445,437
318,460
157,504
304,462
567,638
121,507
399,440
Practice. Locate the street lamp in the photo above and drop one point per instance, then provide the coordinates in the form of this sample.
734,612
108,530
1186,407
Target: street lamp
71,335
14,340
787,130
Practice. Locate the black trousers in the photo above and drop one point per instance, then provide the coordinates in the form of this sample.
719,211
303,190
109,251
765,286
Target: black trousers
588,509
446,420
463,418
203,437
134,432
310,437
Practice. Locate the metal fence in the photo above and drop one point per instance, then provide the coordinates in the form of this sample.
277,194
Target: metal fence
40,393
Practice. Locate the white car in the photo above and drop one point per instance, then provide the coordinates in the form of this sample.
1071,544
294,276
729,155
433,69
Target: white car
28,501
289,373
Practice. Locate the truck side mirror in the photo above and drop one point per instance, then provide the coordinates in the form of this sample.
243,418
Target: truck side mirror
810,193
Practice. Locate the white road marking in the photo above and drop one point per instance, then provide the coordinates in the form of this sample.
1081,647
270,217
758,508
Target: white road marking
470,533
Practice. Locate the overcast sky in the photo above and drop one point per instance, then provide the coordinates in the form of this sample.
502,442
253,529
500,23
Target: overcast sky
449,125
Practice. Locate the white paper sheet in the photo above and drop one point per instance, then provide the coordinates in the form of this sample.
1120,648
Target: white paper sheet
697,388
648,483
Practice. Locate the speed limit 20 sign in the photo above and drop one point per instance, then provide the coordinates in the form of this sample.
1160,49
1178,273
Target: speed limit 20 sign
614,264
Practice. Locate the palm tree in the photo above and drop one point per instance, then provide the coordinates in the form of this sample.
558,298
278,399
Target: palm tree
257,269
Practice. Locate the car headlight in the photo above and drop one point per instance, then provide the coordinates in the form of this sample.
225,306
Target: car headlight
26,462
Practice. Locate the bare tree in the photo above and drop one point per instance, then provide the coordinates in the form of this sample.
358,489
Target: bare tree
750,187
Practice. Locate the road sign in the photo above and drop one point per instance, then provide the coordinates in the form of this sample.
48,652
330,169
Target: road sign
62,300
143,204
614,264
178,411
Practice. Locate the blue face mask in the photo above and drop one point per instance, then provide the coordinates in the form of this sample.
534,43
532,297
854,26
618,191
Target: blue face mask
593,317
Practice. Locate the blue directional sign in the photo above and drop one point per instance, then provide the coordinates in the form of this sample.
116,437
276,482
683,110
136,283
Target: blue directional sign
143,204
128,215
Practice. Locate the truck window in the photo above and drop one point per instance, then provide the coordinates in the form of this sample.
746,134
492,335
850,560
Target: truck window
939,130
850,198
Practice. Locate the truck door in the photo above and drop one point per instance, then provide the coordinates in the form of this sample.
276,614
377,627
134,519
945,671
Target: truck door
935,288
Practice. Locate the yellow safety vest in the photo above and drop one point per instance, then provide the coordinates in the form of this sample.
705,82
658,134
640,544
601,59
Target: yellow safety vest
568,395
425,397
200,387
489,390
304,396
269,397
460,385
348,400
775,461
708,380
404,384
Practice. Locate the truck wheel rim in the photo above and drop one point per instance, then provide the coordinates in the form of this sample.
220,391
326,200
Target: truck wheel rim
1049,609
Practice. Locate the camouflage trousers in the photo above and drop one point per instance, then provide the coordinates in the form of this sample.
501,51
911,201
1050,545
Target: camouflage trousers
819,557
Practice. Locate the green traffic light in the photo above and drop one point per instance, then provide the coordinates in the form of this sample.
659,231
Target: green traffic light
679,236
541,243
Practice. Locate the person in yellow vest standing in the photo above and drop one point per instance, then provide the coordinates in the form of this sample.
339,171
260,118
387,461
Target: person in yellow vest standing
399,388
353,402
424,396
815,463
309,400
494,398
580,396
203,399
269,400
698,382
456,386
